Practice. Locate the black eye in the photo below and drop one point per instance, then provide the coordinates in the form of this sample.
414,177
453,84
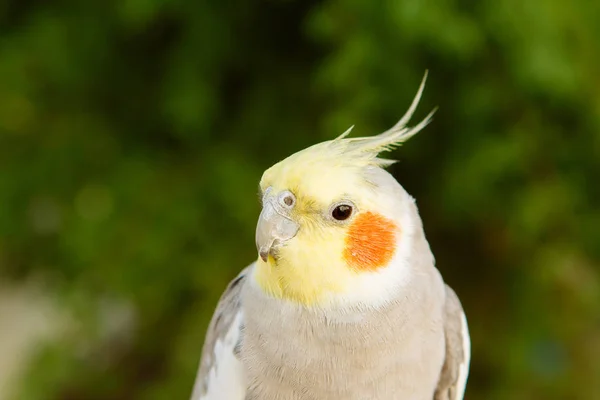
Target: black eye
341,212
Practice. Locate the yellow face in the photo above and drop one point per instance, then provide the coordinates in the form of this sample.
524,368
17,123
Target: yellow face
323,226
332,219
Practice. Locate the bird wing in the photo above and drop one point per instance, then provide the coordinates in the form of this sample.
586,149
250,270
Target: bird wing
221,374
453,378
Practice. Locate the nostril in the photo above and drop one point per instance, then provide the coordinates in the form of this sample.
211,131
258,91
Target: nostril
287,199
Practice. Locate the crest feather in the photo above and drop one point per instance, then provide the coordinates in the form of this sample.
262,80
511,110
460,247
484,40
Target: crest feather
366,149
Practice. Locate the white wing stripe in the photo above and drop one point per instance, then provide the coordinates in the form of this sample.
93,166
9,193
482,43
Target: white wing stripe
226,378
463,370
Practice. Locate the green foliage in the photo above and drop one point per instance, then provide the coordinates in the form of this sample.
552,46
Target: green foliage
133,135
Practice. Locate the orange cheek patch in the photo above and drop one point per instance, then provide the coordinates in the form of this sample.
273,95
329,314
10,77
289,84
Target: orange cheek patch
370,242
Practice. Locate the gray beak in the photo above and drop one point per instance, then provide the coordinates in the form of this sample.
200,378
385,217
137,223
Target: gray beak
274,228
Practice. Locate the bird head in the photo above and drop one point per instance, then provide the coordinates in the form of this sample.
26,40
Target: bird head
335,227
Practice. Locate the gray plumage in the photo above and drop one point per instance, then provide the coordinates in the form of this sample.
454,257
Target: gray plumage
322,315
413,348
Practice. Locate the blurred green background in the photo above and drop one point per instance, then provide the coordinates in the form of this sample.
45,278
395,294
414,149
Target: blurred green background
133,134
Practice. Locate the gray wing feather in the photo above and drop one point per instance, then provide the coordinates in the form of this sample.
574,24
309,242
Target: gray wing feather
453,377
225,313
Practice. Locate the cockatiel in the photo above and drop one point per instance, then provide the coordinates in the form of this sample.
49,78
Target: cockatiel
344,301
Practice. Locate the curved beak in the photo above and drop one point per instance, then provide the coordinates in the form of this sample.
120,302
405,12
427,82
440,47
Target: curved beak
273,228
